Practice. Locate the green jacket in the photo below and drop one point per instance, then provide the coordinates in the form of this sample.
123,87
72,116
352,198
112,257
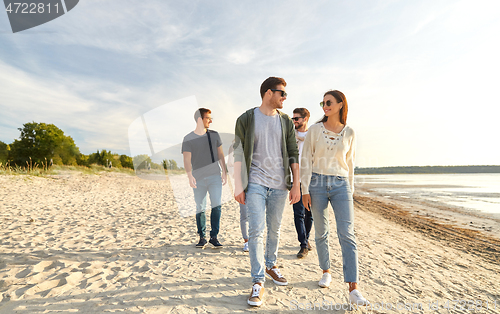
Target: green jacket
244,141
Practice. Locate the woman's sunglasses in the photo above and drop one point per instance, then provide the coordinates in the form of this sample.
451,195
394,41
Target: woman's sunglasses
328,103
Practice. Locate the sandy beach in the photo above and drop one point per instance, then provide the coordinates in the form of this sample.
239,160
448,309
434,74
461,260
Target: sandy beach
117,243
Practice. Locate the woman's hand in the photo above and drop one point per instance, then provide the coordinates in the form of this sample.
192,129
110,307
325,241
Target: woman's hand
306,200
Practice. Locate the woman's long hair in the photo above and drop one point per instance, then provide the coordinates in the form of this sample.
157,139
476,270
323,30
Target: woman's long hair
340,97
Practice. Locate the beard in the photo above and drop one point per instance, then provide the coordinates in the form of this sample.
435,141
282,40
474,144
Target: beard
278,104
298,126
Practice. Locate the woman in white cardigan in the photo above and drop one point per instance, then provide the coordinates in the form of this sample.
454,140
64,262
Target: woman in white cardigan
327,176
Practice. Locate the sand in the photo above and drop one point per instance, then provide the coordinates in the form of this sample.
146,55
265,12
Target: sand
118,243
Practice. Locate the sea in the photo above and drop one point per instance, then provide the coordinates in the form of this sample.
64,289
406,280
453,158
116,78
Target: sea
477,191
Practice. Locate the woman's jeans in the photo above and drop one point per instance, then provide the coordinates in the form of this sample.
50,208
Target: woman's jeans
212,185
336,190
265,208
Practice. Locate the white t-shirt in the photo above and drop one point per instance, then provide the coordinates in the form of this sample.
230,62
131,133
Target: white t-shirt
301,143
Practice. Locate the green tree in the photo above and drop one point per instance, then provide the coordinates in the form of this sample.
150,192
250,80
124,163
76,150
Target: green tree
126,161
173,164
141,161
103,158
170,164
42,141
4,152
83,160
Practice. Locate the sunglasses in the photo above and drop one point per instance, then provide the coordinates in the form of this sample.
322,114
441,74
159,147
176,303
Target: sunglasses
297,118
328,103
283,93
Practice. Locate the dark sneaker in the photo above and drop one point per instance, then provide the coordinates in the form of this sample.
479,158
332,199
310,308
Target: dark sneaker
215,243
276,276
309,247
255,298
303,252
202,243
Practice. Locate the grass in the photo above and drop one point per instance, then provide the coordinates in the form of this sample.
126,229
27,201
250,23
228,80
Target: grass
92,170
176,172
43,170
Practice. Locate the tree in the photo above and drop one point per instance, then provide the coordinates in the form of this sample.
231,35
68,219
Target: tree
170,164
42,141
4,152
103,158
83,160
141,161
126,161
173,165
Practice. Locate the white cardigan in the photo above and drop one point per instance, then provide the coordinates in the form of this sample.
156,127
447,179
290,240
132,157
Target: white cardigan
328,153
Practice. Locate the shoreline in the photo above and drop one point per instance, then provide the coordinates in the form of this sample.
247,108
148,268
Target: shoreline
454,231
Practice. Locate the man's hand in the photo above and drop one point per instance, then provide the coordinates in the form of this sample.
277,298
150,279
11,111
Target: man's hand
306,200
224,178
192,181
240,198
295,194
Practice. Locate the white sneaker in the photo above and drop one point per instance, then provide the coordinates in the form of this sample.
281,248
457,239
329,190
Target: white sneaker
355,297
245,247
325,280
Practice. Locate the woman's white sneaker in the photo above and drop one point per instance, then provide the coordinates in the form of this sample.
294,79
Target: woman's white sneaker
245,247
325,280
355,297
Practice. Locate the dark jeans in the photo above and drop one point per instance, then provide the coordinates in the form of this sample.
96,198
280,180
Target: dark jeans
303,221
201,222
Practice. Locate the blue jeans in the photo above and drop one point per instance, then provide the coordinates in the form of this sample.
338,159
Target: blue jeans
244,221
336,190
212,185
303,221
265,208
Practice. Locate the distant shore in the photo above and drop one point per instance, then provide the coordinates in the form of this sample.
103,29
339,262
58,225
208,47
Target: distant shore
428,169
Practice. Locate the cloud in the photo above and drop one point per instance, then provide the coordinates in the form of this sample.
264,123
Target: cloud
241,57
95,70
25,97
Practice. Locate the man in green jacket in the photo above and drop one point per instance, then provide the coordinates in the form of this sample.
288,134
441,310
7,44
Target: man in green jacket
265,150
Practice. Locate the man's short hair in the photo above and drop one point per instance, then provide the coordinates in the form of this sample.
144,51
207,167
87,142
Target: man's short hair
200,113
271,83
303,112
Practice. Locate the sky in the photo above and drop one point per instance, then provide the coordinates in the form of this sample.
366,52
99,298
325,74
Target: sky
420,77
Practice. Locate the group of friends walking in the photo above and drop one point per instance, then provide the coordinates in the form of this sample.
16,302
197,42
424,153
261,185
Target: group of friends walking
274,156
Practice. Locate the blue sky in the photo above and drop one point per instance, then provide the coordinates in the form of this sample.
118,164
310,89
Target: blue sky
420,77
